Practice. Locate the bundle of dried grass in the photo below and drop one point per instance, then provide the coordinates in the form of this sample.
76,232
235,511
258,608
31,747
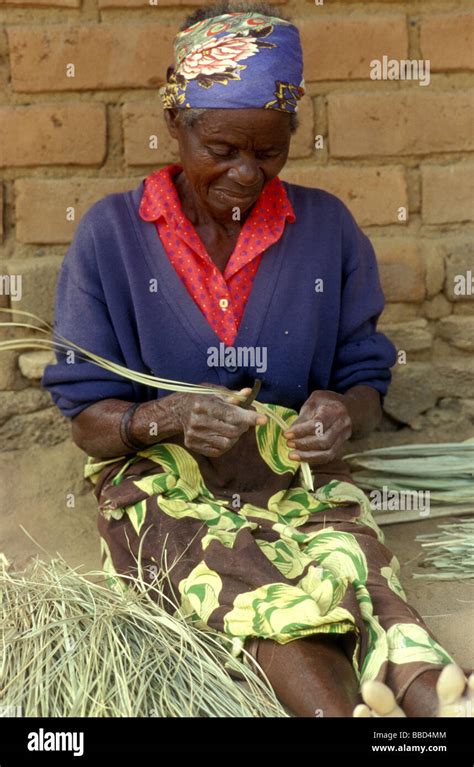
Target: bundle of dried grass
71,646
444,472
450,551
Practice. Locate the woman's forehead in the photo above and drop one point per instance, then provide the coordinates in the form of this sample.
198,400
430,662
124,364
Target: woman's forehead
243,124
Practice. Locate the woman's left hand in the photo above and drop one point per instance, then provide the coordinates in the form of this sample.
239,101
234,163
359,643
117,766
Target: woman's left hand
320,430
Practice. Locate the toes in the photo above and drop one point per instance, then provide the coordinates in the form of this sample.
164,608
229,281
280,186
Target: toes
380,699
362,711
378,696
450,685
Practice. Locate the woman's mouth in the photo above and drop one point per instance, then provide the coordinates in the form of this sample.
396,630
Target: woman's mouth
229,194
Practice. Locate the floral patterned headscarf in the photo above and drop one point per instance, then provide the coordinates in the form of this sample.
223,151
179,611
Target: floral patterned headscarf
210,73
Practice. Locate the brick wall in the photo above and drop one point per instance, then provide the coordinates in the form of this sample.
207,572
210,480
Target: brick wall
397,152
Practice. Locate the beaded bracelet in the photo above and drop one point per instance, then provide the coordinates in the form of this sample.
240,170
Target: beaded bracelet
125,425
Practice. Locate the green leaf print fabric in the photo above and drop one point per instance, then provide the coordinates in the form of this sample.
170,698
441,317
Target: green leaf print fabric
251,553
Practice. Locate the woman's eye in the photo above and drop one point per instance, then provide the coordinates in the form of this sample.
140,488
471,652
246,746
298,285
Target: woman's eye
220,152
229,151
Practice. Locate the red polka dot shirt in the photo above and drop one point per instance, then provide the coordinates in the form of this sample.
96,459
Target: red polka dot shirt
220,296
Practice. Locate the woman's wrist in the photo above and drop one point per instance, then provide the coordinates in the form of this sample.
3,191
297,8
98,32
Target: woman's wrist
152,422
364,408
125,427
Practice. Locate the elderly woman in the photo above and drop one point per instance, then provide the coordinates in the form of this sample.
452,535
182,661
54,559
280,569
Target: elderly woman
214,270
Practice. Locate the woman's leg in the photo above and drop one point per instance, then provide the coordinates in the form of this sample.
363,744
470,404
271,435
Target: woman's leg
445,692
311,676
421,698
452,695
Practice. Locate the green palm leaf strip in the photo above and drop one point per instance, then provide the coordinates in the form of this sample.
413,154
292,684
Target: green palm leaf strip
59,343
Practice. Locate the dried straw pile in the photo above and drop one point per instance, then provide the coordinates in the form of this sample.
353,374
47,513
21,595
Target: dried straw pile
444,471
450,551
71,646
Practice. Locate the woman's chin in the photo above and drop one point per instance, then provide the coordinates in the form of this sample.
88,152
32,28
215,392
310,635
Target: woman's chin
226,202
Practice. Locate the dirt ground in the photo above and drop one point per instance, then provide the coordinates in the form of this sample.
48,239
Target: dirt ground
38,487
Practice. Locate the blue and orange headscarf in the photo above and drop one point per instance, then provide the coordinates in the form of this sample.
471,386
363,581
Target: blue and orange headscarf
236,61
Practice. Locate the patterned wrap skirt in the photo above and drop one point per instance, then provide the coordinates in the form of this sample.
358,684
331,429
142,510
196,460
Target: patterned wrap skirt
251,553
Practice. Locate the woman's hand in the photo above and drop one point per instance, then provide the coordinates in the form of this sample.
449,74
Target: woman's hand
320,430
211,425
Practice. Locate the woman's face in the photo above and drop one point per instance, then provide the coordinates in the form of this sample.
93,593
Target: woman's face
229,154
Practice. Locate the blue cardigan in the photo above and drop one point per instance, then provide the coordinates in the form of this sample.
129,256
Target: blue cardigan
311,315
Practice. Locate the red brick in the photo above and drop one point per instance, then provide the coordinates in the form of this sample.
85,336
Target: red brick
50,134
372,194
142,119
43,3
448,193
38,285
402,268
340,48
302,142
104,55
400,123
41,205
448,41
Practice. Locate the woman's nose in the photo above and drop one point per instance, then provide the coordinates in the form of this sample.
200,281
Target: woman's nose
245,172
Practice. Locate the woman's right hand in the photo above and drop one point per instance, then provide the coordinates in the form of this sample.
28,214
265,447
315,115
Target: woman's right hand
211,425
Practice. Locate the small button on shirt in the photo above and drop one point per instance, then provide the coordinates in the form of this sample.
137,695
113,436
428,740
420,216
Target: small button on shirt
221,297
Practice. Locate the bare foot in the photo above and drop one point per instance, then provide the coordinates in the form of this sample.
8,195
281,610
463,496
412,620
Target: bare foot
379,701
455,696
455,693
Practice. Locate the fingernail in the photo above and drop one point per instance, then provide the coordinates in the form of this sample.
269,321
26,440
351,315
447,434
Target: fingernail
294,456
289,434
291,444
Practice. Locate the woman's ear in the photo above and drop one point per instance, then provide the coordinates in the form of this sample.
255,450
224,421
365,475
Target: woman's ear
171,120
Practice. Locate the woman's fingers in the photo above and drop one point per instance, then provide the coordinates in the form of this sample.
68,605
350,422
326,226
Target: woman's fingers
210,426
326,449
305,429
218,410
322,419
321,439
213,426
